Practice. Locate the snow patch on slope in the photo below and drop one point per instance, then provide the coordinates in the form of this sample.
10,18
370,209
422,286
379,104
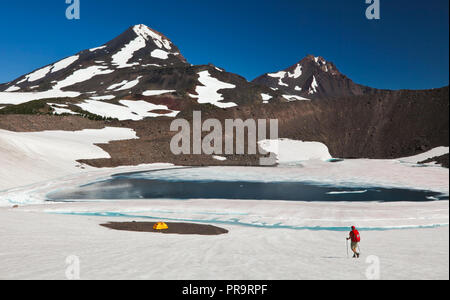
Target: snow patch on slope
41,73
62,64
36,75
297,72
291,151
97,48
61,110
266,98
157,92
130,84
19,98
161,54
146,33
107,97
219,158
144,109
295,98
12,88
131,110
121,58
116,85
208,93
82,75
438,151
280,75
314,86
320,60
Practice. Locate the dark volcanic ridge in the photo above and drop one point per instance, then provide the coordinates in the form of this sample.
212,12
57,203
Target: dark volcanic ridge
440,160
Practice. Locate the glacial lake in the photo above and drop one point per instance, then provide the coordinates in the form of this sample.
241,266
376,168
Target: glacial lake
191,183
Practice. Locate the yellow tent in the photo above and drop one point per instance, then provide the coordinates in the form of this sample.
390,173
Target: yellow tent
160,226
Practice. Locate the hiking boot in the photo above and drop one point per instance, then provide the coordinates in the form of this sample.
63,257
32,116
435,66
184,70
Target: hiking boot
354,255
357,255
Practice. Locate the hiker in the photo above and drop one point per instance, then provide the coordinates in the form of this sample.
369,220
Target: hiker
355,238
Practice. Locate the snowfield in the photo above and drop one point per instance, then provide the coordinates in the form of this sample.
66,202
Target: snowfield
27,157
244,253
266,239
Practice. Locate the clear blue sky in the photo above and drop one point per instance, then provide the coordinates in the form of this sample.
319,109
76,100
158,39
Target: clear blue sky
407,48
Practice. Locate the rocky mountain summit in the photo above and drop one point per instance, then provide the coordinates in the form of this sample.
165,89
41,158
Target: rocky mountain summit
313,78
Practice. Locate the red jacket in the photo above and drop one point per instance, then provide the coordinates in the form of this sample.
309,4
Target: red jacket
354,236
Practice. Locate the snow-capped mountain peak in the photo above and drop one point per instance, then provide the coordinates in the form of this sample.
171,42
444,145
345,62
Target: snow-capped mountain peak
311,77
147,33
139,47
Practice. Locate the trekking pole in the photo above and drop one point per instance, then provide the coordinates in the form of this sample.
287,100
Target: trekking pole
346,244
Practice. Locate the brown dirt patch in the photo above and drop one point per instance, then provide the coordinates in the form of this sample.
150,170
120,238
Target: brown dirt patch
174,228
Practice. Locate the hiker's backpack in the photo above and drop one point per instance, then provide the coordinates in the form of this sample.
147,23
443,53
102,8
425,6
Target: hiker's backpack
355,236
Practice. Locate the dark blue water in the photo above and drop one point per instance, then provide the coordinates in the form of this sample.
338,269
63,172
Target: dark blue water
127,186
